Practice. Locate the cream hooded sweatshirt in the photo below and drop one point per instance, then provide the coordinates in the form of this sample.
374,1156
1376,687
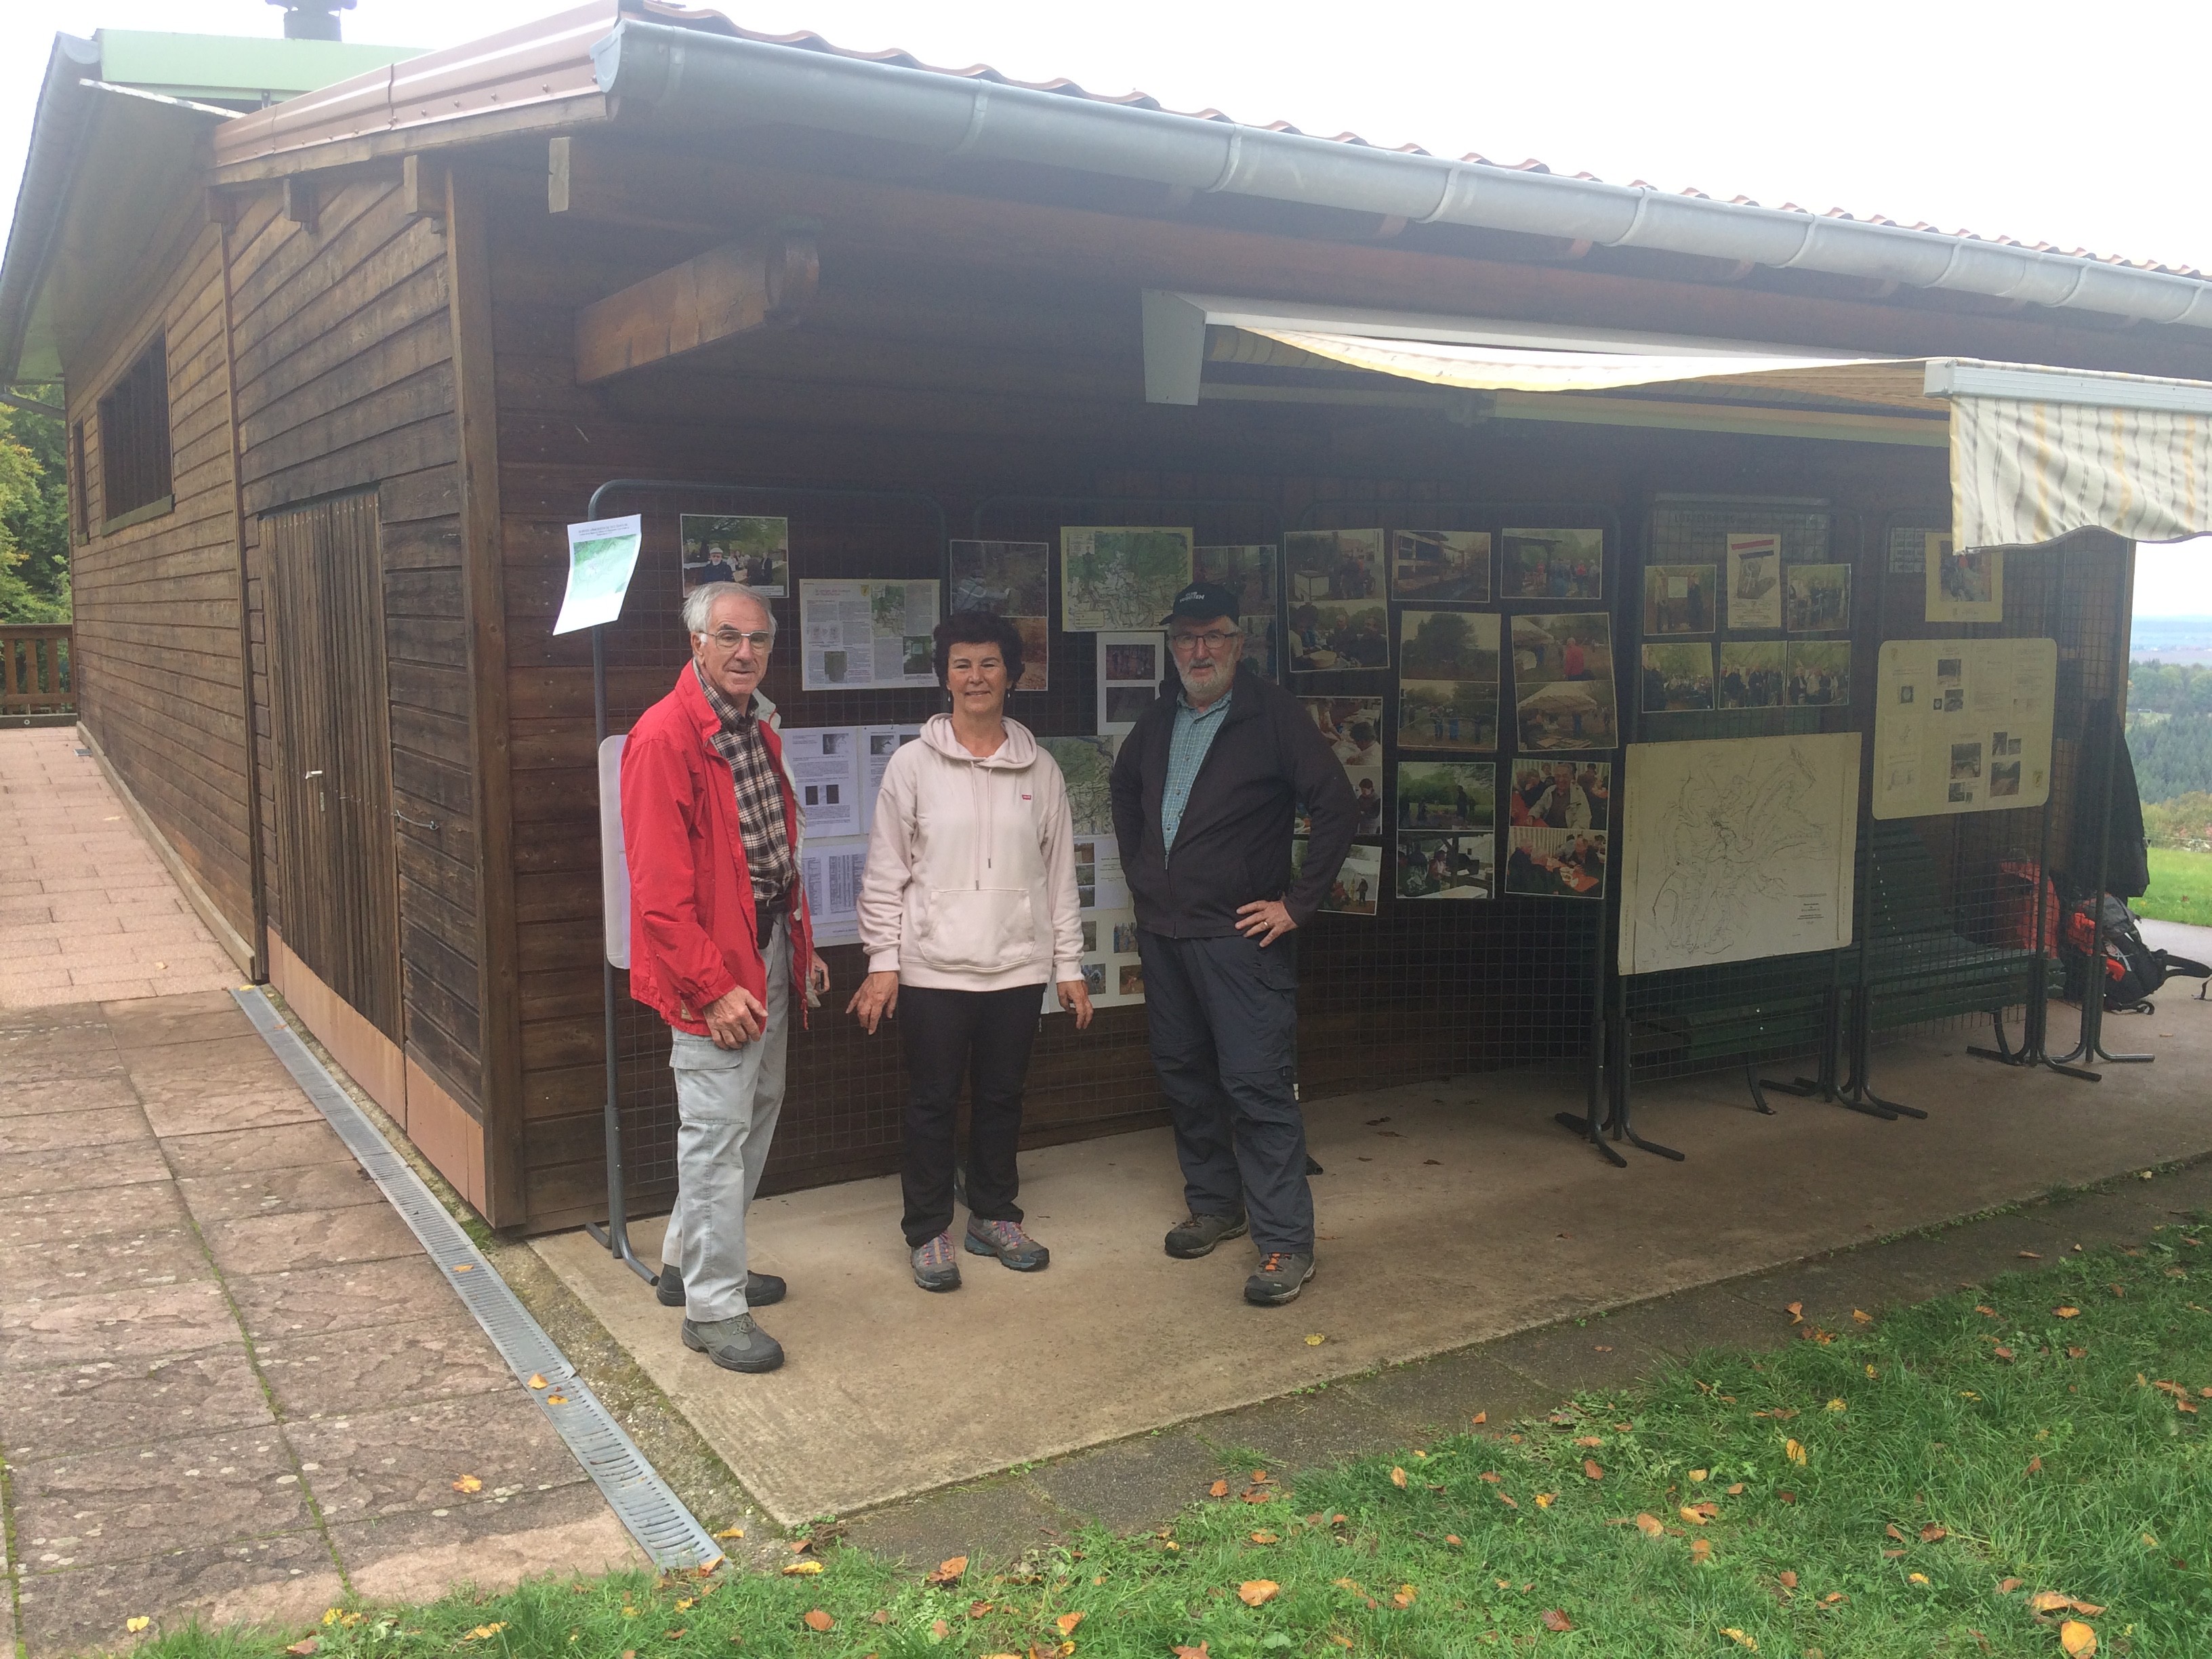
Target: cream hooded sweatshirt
971,884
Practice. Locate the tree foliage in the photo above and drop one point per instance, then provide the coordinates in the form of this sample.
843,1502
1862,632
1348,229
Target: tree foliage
34,582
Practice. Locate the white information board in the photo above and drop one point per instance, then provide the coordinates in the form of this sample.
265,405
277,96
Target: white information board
1963,726
1737,848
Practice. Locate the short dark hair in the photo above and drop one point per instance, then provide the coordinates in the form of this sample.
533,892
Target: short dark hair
980,628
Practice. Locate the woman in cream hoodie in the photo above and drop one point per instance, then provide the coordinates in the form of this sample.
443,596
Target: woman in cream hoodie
966,911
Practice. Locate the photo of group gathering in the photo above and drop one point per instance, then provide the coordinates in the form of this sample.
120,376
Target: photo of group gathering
1678,678
1338,616
1440,795
1819,598
1447,866
1752,674
1677,599
729,548
1440,567
1556,863
1354,726
1820,674
1561,795
1563,680
1551,564
1358,883
1965,586
1250,572
1448,664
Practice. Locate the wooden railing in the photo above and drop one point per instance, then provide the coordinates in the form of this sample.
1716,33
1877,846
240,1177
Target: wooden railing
35,670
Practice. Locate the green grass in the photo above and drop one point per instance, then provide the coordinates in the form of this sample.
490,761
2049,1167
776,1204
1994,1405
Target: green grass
2180,887
1919,1421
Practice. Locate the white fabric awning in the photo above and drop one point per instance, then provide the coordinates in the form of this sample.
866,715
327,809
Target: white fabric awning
1512,368
2037,454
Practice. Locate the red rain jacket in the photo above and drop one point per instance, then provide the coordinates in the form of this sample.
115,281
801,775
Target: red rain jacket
691,918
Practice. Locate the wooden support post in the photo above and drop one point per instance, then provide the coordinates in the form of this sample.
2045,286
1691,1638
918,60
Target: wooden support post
423,190
762,281
299,203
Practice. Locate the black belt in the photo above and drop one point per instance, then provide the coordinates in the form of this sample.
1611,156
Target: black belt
765,917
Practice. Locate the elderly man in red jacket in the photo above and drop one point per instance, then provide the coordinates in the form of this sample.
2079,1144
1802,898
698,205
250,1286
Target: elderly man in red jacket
718,936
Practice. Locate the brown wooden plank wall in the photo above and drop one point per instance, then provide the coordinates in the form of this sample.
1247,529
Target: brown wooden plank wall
156,602
345,379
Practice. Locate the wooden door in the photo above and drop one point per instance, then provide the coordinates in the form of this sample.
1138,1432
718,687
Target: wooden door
338,874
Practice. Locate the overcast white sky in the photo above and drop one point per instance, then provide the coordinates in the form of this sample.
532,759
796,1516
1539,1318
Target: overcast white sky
2080,127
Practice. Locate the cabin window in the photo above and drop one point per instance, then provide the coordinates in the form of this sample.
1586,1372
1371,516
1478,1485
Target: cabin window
134,436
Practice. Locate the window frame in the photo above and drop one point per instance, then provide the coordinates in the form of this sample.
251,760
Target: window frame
137,456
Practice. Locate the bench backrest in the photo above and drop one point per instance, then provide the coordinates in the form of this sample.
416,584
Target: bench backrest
1905,893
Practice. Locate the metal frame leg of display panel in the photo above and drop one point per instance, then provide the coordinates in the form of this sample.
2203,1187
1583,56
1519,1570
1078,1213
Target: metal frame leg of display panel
1608,1060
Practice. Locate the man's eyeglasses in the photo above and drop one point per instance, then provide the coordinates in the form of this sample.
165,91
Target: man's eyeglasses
1216,639
730,638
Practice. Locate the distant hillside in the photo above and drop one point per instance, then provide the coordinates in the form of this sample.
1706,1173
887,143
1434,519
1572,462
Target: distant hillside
2170,728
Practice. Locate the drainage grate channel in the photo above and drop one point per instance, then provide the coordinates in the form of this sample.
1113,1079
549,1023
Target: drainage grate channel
656,1517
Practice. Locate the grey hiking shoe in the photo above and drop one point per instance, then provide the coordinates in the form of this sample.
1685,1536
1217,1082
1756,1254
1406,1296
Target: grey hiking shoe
762,1290
1006,1240
935,1267
735,1344
1282,1275
1196,1235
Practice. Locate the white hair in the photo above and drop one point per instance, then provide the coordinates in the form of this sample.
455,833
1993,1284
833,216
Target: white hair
699,603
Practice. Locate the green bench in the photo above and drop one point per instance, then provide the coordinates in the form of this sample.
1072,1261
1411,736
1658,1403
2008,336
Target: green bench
1702,1018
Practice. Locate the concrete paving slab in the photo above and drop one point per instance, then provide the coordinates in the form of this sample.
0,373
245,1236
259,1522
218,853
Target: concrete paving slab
141,1323
410,1457
360,1295
994,1521
421,1554
67,1170
228,1151
342,1371
292,1189
111,1405
1125,1485
66,1094
84,1129
279,1239
288,1580
178,1107
135,1207
130,1505
168,1255
851,1420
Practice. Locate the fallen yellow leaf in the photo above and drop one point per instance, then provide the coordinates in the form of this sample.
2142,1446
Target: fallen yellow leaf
484,1633
1917,1578
468,1483
1701,1550
1872,1373
1838,1406
1793,1451
1739,1638
2077,1640
537,1381
2067,1313
1544,1500
1067,1622
135,1623
1700,1474
802,1569
817,1620
556,1399
946,1571
1863,1316
1648,1525
1592,1469
1219,1489
1254,1591
1266,1538
1797,1312
1735,1490
1314,1339
1398,1478
731,1531
1482,1418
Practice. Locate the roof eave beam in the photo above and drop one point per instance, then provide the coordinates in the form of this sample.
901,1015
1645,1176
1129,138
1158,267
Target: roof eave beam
761,281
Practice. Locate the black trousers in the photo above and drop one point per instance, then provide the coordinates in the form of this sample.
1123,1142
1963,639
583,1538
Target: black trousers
986,1036
1222,1015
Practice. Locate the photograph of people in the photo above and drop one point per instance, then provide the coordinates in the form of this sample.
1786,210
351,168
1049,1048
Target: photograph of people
1439,795
1677,677
1563,680
1553,564
1449,566
1448,675
1212,773
1556,863
718,932
968,908
1338,617
1820,674
1752,673
1819,598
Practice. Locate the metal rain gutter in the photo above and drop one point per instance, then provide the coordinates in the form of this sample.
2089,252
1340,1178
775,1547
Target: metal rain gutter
685,81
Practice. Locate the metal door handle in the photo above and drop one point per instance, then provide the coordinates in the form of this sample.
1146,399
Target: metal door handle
317,773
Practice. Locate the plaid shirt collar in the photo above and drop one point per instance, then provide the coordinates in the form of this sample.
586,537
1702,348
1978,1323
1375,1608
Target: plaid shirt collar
732,717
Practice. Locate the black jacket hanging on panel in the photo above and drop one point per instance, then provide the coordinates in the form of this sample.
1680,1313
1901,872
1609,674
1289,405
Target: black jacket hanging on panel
2106,762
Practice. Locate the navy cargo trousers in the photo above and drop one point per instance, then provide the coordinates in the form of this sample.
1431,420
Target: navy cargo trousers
1223,1018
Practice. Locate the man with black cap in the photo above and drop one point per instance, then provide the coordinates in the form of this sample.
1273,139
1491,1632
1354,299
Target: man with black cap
1205,791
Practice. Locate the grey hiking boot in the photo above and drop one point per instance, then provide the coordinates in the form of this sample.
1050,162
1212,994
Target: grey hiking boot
1006,1240
935,1267
1282,1275
762,1290
1196,1235
735,1344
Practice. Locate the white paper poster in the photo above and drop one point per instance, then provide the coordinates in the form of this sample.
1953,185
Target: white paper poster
878,744
1754,581
1738,848
863,635
602,555
1111,966
824,765
832,867
1963,726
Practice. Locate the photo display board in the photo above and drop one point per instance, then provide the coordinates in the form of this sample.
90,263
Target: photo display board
1963,726
1737,848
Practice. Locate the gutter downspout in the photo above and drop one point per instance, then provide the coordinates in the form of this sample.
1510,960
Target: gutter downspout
659,77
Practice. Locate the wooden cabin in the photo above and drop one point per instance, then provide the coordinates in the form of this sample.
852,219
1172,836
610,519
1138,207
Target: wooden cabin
342,362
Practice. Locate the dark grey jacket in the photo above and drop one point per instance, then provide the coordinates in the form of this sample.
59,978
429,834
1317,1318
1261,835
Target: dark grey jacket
1233,845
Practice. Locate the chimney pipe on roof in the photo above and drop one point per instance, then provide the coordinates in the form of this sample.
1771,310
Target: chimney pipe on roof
312,20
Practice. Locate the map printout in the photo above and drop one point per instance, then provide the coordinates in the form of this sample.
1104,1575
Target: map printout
1738,848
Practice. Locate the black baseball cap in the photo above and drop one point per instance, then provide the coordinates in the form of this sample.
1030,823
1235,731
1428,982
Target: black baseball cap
1202,602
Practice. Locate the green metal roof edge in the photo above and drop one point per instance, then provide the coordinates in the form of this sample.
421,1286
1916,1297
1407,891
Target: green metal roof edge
234,66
